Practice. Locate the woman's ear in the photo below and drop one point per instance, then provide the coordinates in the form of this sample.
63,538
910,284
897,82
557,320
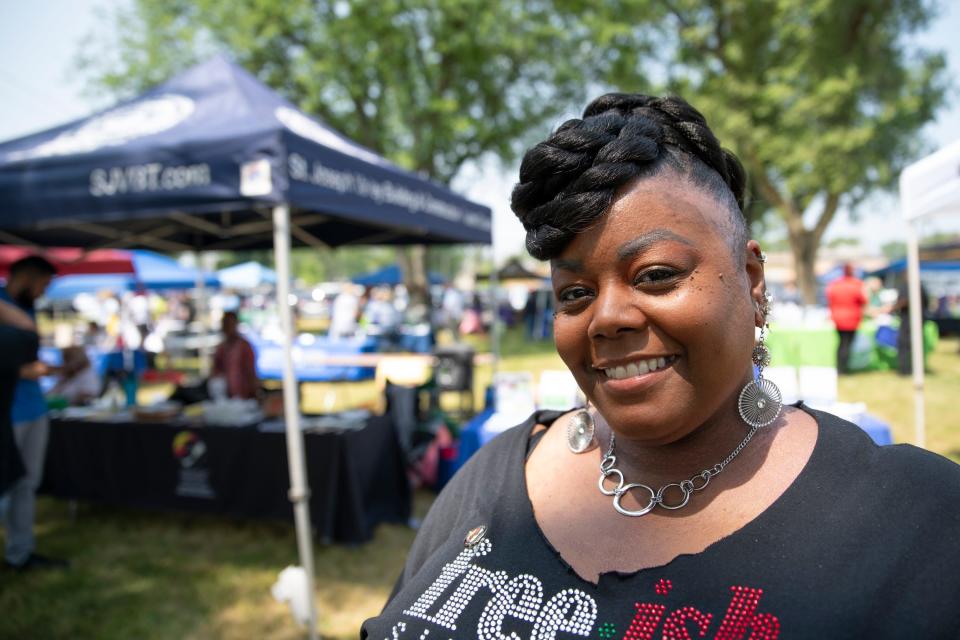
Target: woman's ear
758,284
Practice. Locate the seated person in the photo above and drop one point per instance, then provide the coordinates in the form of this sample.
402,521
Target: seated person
77,381
235,362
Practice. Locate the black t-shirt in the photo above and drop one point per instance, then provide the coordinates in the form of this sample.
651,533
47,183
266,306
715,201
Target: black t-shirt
865,543
18,347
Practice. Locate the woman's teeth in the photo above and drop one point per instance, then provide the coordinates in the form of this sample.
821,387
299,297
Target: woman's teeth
638,368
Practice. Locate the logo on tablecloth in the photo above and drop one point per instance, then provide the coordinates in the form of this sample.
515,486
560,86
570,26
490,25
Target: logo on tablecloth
194,479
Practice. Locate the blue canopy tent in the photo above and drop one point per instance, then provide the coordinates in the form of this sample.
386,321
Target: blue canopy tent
391,275
154,272
213,159
247,275
900,266
200,162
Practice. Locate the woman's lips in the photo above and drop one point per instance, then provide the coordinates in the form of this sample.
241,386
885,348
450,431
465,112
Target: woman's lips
635,375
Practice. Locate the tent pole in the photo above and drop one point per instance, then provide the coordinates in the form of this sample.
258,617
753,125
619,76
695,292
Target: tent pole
495,326
203,314
299,490
916,333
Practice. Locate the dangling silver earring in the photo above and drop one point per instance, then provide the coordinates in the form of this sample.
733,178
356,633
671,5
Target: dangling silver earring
760,400
580,432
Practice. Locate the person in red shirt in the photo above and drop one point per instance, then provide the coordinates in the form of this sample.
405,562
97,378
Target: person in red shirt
846,298
235,361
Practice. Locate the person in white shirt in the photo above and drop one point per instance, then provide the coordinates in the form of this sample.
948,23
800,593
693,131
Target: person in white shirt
78,382
346,306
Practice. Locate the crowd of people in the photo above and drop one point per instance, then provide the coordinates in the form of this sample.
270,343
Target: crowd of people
850,299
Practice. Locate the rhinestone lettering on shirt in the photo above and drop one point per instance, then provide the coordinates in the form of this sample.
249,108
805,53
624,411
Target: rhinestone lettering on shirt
570,612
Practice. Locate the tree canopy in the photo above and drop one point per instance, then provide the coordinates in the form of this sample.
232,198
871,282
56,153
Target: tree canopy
822,100
430,84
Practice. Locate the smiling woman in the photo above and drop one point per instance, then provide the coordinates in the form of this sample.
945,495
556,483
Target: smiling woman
684,501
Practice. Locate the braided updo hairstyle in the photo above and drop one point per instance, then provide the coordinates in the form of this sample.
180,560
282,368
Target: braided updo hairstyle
568,181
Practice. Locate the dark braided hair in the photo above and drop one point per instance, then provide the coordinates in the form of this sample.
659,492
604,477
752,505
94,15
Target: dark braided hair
569,180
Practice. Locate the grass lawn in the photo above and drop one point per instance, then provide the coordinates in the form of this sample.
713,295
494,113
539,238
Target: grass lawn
150,575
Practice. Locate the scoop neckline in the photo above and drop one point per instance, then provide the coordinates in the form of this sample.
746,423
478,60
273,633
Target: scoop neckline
794,488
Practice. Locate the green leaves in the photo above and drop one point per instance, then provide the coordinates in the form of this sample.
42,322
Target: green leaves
429,83
821,99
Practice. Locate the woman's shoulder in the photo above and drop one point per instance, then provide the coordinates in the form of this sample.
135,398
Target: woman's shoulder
893,468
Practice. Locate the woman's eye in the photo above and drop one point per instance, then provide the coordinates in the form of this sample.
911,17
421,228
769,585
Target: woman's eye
655,275
573,294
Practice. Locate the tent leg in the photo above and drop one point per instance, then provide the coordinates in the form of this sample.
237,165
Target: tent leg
495,328
203,313
299,490
916,333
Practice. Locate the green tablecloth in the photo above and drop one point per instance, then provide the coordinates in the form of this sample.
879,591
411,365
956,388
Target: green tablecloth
796,346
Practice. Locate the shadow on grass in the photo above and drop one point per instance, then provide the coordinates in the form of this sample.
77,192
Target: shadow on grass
150,574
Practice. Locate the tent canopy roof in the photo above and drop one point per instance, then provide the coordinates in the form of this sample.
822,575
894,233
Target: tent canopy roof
152,271
199,161
71,261
390,275
246,275
931,185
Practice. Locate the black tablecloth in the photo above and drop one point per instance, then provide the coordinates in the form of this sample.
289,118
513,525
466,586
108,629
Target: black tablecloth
357,478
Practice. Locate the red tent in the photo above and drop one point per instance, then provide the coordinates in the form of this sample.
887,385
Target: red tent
71,261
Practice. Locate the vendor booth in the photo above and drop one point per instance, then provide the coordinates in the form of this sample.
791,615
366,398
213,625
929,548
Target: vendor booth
213,159
928,188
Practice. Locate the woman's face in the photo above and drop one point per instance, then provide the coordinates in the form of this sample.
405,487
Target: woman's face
654,316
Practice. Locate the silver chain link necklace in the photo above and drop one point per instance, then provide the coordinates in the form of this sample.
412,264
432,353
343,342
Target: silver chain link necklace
697,483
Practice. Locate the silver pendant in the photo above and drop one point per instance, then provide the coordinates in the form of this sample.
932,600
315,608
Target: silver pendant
761,355
760,402
580,432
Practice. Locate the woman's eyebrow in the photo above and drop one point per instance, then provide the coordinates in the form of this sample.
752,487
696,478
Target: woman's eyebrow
574,266
641,243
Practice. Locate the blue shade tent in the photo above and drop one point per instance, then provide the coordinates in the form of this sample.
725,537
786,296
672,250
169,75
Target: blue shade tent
900,266
247,275
391,275
66,288
200,161
212,159
154,272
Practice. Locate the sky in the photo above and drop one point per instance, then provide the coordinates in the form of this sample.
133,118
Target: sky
40,88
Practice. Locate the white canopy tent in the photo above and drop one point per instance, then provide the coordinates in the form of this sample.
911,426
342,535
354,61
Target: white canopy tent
929,187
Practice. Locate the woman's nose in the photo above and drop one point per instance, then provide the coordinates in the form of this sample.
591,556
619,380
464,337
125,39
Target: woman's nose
615,312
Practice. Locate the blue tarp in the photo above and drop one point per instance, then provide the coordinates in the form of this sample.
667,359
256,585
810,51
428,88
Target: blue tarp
154,272
899,266
391,275
198,161
247,275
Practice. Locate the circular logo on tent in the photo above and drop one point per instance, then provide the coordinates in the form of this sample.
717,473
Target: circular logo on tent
188,448
116,126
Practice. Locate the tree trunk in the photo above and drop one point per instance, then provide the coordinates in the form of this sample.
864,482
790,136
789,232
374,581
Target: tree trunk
804,245
413,261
